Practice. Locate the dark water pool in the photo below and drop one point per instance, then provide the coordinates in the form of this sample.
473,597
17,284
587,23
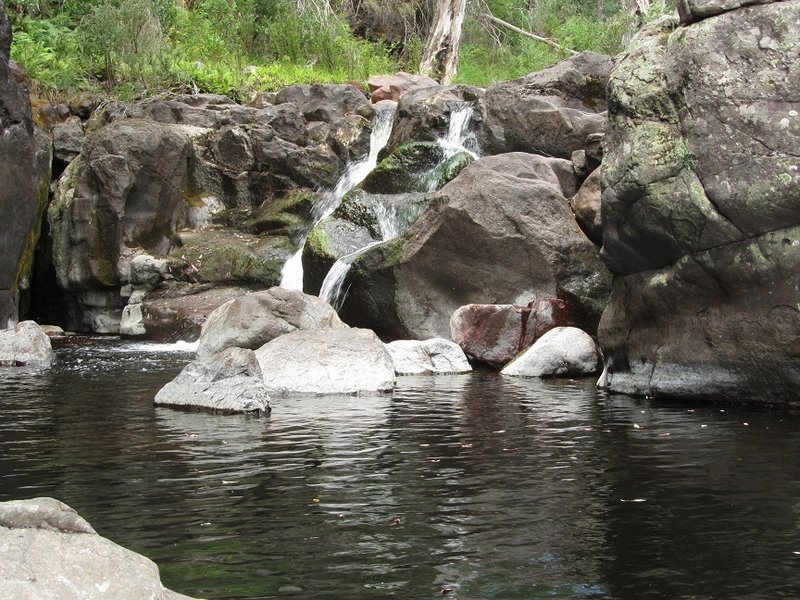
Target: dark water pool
468,487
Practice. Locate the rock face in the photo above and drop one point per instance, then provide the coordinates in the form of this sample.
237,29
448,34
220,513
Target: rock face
252,320
551,112
495,333
562,351
26,344
335,361
230,381
701,210
18,178
500,232
436,356
151,174
48,551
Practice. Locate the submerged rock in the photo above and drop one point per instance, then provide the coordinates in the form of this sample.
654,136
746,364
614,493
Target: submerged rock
330,361
254,319
48,551
26,344
701,210
436,356
230,381
562,351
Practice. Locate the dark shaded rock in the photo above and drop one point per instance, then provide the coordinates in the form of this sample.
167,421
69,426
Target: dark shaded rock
326,102
328,361
551,112
500,232
49,551
18,178
227,382
694,10
701,213
67,139
586,207
252,320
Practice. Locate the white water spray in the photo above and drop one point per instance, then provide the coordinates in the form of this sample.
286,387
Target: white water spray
355,173
459,138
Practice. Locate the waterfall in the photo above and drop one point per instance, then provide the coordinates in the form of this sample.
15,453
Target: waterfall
393,222
458,139
292,272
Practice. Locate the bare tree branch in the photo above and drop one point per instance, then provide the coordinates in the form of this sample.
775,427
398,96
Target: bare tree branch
533,36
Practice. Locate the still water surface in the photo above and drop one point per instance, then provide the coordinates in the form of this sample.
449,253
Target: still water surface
470,487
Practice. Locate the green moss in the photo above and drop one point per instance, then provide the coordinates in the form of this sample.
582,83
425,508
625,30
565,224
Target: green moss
287,216
320,244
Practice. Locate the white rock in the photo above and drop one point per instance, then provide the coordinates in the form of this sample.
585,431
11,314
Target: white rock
26,344
330,361
560,351
230,381
428,357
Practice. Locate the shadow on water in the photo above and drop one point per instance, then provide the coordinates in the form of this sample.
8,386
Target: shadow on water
477,486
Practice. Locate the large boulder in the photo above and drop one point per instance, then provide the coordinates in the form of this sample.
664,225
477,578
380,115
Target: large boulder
500,233
18,177
228,382
495,333
26,344
436,356
48,551
551,112
394,87
327,361
561,352
701,210
252,320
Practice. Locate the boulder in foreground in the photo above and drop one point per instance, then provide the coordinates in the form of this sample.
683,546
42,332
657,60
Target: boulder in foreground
26,344
331,361
562,351
228,382
436,356
48,551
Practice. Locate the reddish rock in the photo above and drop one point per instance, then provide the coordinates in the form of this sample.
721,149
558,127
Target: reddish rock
394,87
496,333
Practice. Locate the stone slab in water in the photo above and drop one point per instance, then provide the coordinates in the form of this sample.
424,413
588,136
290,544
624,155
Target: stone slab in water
26,344
436,356
562,351
47,550
332,361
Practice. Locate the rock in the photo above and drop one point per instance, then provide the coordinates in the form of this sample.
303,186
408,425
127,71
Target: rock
436,356
26,344
326,102
694,10
495,333
67,139
563,351
500,233
328,361
394,87
148,272
49,551
585,206
18,178
252,320
52,331
551,112
423,115
228,382
701,215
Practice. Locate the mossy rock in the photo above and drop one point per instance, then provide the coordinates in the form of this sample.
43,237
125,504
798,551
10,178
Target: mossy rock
404,168
230,257
290,216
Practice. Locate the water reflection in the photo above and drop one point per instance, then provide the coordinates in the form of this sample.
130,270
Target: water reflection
477,485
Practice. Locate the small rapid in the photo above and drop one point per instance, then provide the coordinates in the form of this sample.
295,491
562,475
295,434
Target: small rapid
355,173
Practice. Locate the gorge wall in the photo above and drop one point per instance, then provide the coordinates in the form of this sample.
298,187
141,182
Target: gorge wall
701,206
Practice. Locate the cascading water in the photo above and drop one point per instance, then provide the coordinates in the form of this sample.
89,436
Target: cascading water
292,272
393,222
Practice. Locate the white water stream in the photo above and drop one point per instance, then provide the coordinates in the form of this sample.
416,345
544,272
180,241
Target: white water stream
394,222
292,272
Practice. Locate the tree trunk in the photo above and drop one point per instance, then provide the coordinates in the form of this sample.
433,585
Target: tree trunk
440,58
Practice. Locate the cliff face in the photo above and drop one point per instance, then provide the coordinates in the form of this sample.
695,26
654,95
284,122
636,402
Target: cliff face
701,206
19,205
